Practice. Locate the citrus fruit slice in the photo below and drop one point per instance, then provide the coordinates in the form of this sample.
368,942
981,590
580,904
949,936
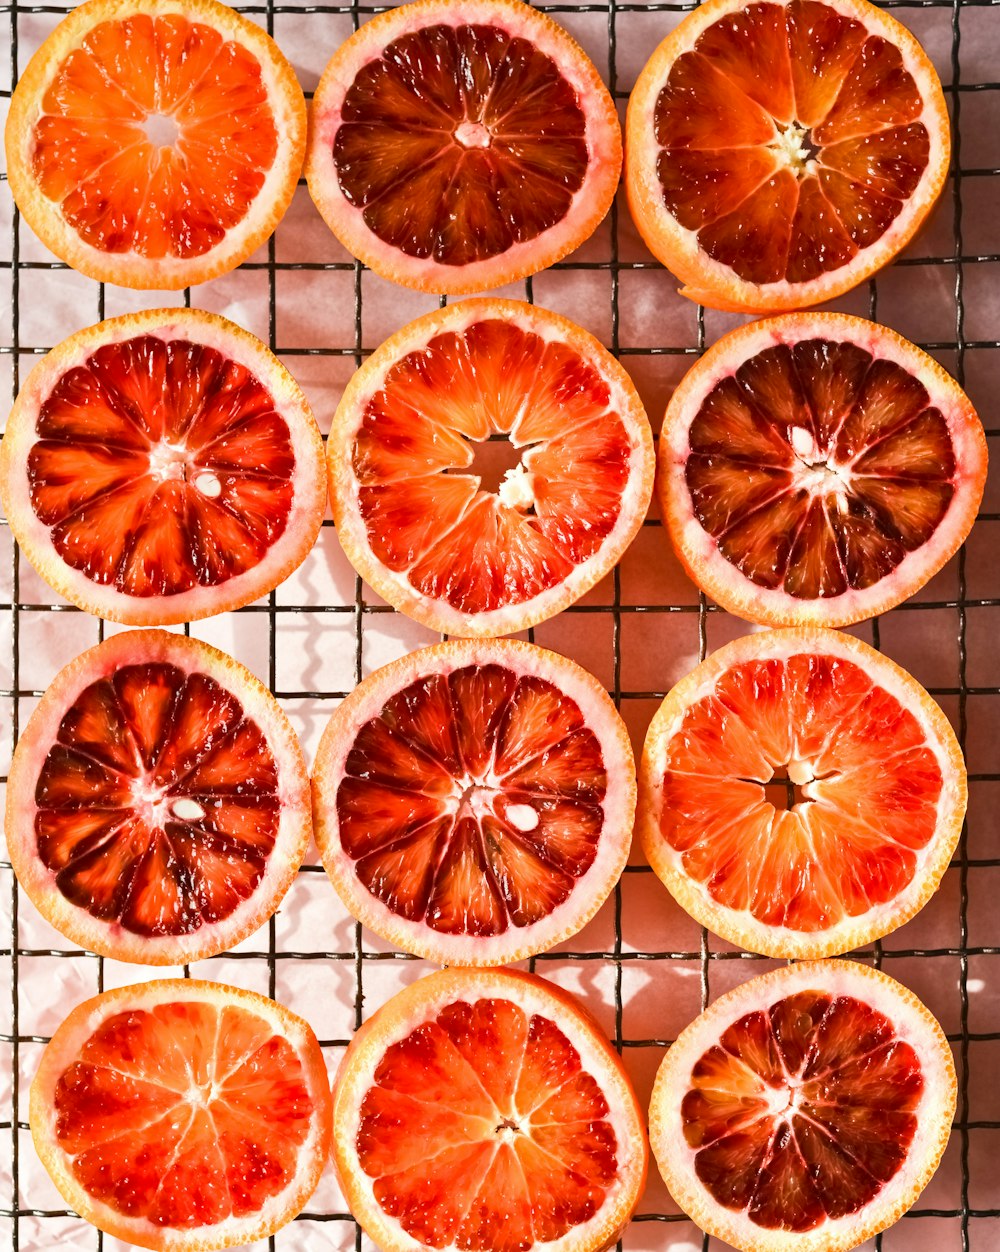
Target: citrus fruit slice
418,441
458,145
161,467
473,801
485,1110
181,1114
807,1109
801,793
818,469
158,803
155,148
777,154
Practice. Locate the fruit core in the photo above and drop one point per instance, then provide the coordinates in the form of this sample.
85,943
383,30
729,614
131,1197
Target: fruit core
161,466
817,468
802,1113
176,1134
155,136
789,140
474,801
865,787
484,1120
469,401
458,142
158,805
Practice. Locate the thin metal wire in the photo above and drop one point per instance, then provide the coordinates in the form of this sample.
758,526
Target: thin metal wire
705,958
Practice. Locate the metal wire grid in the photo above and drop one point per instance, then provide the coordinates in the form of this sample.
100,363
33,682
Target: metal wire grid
971,1217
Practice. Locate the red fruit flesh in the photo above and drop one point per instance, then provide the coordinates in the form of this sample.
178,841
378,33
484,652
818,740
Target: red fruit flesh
473,801
157,807
803,1113
817,468
482,1130
160,467
789,140
864,804
183,1114
155,136
458,142
425,512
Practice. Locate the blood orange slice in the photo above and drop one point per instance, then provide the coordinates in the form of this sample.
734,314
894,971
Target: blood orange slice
183,1115
458,145
473,801
779,153
818,469
417,444
158,803
161,467
807,1109
484,1110
801,794
154,148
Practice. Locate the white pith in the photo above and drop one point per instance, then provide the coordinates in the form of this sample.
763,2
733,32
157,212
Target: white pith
700,550
64,1050
167,461
132,269
740,926
479,797
934,1112
422,1002
603,138
517,489
294,825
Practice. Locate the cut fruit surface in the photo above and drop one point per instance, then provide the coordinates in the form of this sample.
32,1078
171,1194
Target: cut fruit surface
807,1109
158,804
458,145
818,469
473,801
800,793
183,1115
484,1110
155,149
161,467
420,507
779,153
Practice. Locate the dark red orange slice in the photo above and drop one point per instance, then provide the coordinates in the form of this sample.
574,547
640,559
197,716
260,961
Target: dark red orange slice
484,1110
458,147
817,468
183,1114
158,805
779,153
801,794
162,466
810,1106
155,149
474,801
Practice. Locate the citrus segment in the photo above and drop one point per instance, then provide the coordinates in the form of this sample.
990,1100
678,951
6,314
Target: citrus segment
473,801
420,506
780,153
155,149
162,466
482,1110
802,795
161,807
183,1114
818,468
457,147
808,1107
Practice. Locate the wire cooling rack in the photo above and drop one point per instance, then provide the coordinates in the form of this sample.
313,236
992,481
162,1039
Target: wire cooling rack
643,967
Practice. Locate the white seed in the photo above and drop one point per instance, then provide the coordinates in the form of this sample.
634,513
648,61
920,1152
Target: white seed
523,816
804,444
186,810
800,772
208,484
